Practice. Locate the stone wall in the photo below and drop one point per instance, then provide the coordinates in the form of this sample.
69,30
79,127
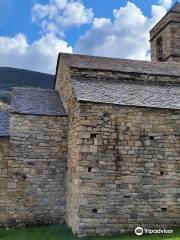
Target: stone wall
33,174
78,73
165,34
170,43
127,168
169,29
72,107
123,161
4,159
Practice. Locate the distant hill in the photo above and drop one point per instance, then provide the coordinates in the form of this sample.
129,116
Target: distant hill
12,77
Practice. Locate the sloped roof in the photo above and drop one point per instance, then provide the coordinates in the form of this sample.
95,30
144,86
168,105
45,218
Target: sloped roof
37,102
128,94
4,123
13,77
175,8
120,65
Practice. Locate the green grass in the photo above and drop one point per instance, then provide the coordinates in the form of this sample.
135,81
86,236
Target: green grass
63,233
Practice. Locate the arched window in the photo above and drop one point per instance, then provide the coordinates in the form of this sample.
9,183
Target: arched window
159,49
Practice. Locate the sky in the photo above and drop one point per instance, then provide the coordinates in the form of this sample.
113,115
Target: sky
33,32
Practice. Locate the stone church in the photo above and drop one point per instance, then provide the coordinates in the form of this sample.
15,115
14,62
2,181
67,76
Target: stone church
101,151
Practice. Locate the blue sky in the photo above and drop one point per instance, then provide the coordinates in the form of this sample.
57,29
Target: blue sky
16,16
33,32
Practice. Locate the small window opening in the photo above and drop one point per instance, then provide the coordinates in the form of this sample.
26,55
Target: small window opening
127,128
105,114
162,173
93,136
119,158
24,177
89,169
30,163
164,209
159,49
94,210
127,196
151,138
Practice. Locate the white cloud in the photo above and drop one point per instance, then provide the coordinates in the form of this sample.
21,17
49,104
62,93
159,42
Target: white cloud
166,3
59,15
8,45
41,55
127,36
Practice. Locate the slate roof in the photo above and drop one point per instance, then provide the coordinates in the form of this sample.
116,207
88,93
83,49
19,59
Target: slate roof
129,94
175,8
4,123
13,77
120,65
37,102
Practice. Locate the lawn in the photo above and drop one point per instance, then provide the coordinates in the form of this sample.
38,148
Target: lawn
63,233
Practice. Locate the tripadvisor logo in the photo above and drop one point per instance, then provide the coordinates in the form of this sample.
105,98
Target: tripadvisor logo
140,231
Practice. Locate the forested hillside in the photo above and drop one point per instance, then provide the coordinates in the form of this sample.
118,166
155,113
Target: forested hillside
12,77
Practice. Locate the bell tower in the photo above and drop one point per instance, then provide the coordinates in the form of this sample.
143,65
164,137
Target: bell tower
165,37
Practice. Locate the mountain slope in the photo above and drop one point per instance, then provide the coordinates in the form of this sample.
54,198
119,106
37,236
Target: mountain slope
12,77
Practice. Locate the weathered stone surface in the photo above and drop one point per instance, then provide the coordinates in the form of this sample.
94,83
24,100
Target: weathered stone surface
106,167
103,64
168,30
123,160
33,166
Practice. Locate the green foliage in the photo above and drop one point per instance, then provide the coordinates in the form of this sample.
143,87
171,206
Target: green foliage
38,233
12,77
5,96
63,233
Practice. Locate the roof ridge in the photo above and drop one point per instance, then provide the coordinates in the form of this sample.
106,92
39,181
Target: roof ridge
34,89
175,7
120,65
72,55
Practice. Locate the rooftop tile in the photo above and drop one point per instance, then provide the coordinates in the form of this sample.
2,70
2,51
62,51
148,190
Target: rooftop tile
4,123
37,102
130,94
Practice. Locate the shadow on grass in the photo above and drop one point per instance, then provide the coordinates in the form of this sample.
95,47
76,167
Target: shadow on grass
62,232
